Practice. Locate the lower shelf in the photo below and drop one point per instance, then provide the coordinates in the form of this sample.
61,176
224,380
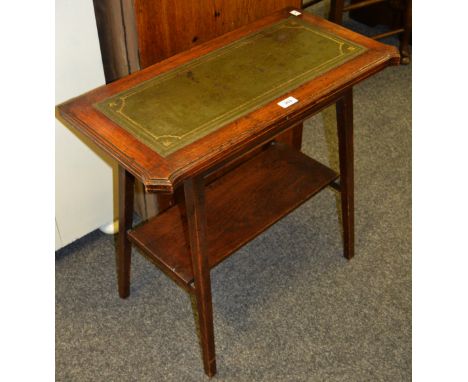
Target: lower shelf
239,206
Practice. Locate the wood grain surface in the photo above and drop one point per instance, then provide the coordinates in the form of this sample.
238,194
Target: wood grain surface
239,206
178,25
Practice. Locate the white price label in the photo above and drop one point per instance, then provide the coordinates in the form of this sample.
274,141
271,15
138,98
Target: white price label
295,13
287,102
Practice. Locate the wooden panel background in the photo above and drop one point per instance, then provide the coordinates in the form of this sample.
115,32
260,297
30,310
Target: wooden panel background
387,13
167,27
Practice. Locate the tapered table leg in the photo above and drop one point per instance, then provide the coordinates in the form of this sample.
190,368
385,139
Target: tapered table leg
292,137
297,136
165,201
196,218
124,247
336,11
344,118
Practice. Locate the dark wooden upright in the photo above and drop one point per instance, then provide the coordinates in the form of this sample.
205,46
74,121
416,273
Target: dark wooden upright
196,220
149,122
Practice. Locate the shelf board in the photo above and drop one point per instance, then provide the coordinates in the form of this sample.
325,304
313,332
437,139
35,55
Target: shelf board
239,206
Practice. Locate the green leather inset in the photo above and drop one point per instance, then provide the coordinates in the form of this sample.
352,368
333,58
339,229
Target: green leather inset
182,105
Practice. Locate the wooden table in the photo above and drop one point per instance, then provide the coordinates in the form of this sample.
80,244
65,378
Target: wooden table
205,122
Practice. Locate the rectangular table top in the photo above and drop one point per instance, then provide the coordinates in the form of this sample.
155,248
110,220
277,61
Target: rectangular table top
182,105
201,107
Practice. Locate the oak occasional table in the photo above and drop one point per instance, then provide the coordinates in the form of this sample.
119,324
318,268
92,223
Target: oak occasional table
205,122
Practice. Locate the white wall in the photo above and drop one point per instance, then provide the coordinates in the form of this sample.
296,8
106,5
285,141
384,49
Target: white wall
83,178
